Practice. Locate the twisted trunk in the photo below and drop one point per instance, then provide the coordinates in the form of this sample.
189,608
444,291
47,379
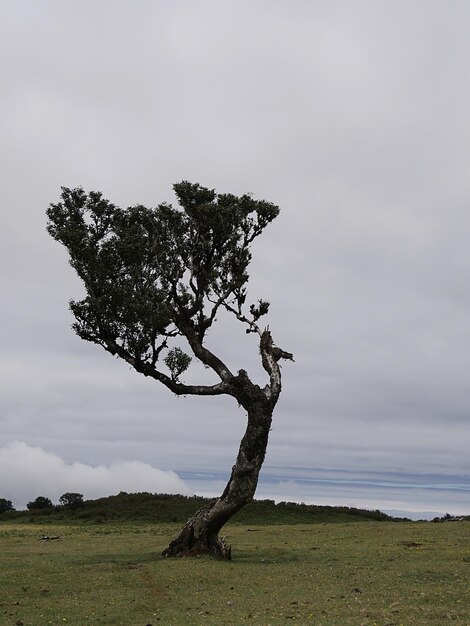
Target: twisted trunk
200,534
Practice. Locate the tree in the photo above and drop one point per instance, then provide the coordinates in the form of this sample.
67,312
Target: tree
5,506
155,281
40,503
72,501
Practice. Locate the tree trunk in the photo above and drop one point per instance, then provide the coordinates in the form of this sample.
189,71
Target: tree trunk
200,534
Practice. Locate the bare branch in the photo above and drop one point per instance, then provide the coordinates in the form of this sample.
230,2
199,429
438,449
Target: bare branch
217,303
201,352
270,355
149,370
156,351
253,328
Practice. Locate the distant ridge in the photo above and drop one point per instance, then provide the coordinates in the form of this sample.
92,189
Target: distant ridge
165,508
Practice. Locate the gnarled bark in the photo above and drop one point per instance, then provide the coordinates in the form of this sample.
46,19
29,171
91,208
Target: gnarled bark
200,534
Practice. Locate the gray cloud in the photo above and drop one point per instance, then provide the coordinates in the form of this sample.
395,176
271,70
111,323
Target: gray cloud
27,471
353,118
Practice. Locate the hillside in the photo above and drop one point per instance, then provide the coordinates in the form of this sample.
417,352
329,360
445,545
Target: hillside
158,508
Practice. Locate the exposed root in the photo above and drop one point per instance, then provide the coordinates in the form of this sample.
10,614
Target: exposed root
218,549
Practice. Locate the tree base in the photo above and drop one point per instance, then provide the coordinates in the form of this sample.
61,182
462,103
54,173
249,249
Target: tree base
219,550
198,537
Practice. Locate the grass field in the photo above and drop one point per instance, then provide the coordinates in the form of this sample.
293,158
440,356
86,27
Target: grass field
352,573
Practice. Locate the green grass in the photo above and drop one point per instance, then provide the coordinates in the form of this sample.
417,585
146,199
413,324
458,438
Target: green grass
338,574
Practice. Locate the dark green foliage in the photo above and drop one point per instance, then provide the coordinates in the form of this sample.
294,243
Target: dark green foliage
155,274
5,506
451,518
177,362
161,508
40,503
72,501
155,280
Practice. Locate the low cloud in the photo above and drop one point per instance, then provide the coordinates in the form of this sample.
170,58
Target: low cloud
27,472
417,501
403,495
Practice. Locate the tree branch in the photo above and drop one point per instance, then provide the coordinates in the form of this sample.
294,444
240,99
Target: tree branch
146,369
217,303
270,355
253,328
201,352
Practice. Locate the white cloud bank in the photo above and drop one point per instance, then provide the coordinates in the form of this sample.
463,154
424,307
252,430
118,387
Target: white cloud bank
27,472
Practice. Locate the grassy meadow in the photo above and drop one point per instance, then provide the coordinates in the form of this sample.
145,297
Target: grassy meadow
384,573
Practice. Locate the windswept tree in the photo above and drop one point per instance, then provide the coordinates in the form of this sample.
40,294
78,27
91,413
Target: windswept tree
155,280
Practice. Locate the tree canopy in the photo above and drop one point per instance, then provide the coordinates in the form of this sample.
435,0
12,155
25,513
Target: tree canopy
155,274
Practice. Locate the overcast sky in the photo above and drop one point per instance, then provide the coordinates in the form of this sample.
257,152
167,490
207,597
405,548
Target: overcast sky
352,116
